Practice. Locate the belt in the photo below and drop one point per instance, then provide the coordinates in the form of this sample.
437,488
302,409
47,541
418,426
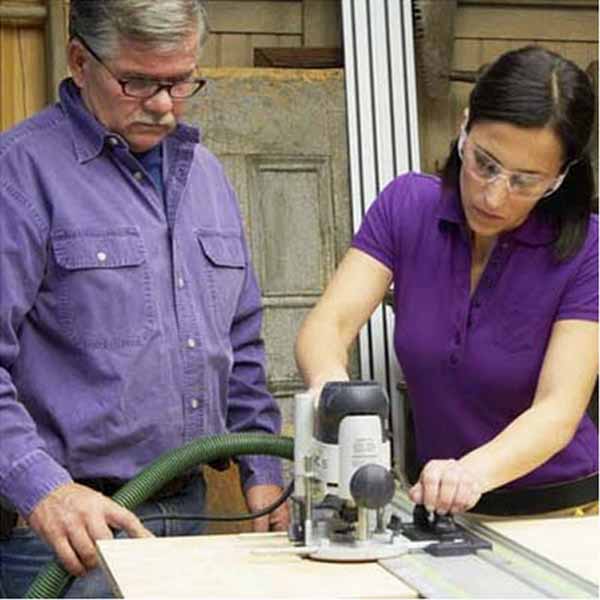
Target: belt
105,485
547,498
8,520
109,486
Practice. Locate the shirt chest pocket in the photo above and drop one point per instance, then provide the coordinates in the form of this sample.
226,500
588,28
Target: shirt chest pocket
224,266
103,287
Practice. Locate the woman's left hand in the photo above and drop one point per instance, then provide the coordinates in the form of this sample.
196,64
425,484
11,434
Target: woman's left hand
446,486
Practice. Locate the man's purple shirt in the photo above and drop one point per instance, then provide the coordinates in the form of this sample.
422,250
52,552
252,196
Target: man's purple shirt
120,337
472,362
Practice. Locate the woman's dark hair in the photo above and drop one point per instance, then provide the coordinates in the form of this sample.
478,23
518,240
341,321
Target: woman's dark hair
534,87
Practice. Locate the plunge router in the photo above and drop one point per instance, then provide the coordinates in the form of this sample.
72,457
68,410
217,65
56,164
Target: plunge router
344,486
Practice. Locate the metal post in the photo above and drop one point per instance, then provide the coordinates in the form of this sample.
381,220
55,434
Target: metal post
381,97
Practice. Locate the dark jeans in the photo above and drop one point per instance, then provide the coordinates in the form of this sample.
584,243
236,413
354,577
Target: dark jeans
24,553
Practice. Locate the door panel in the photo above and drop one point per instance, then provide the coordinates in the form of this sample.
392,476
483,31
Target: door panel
281,135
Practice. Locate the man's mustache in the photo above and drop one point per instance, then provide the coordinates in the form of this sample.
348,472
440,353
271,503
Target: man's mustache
167,120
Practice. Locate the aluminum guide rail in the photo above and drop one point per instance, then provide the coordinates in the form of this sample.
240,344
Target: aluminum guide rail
509,570
383,138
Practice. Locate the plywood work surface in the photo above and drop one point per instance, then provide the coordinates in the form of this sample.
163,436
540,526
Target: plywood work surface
573,543
225,566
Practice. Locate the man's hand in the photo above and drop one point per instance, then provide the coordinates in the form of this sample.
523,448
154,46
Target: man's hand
259,497
446,486
73,516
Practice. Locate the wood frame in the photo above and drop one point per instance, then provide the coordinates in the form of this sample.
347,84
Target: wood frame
56,59
52,17
13,12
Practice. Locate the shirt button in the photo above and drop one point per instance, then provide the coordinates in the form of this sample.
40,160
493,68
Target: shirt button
101,256
191,343
180,282
113,141
453,359
195,403
138,175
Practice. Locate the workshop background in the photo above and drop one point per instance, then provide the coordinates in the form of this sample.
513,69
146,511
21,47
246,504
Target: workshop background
275,115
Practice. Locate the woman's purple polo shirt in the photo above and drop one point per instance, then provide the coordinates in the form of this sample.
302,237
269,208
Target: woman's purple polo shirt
472,362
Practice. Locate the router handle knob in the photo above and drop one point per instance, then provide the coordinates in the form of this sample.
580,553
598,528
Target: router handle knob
372,486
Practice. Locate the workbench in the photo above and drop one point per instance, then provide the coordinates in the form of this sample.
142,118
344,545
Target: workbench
228,566
225,566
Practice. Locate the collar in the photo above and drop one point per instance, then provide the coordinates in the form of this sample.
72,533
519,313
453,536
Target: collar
90,136
534,231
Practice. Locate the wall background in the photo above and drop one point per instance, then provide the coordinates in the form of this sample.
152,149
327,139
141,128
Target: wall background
32,56
237,27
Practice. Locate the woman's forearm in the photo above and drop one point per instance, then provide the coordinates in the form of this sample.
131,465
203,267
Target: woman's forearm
356,289
321,354
566,381
529,441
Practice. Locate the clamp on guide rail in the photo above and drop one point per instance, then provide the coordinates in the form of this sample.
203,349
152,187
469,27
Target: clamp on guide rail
447,537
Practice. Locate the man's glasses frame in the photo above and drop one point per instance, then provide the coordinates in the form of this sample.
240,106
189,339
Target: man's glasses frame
143,88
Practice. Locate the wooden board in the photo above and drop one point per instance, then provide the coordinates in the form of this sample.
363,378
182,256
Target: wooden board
226,567
544,22
299,58
229,16
573,543
322,23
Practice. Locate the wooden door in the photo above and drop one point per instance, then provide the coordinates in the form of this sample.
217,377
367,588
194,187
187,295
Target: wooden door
281,135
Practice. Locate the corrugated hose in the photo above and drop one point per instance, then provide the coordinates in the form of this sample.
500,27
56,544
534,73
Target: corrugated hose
53,578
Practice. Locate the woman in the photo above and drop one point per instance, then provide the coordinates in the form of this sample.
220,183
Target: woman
495,276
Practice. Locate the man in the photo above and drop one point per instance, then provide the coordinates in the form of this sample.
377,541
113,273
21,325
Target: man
129,311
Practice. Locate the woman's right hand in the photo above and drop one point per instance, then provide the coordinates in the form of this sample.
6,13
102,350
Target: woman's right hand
446,486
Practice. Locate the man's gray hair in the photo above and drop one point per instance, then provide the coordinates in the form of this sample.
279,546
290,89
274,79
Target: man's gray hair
162,24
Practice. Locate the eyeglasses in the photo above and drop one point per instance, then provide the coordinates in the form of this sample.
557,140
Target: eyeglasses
487,170
143,88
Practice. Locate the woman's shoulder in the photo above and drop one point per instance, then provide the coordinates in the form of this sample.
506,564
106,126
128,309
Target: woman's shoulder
414,187
415,182
589,247
412,194
593,227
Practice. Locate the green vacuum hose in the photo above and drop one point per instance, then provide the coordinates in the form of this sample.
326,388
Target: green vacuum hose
53,578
